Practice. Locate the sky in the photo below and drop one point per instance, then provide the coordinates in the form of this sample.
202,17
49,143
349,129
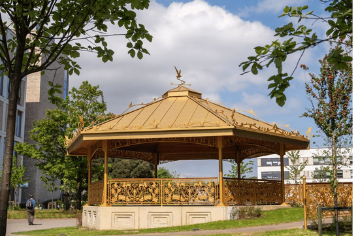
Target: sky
207,40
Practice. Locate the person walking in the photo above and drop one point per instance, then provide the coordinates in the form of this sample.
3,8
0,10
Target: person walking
30,209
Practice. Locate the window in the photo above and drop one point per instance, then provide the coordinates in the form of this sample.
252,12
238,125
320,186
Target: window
273,162
351,174
275,175
326,160
321,174
19,96
18,124
65,87
321,161
351,160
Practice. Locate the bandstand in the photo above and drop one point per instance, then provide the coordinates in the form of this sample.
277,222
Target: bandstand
180,125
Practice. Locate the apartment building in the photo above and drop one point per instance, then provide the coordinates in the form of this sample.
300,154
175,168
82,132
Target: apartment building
268,167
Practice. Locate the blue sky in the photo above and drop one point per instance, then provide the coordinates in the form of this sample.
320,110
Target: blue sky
207,40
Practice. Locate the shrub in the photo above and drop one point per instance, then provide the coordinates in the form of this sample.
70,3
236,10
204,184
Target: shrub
250,212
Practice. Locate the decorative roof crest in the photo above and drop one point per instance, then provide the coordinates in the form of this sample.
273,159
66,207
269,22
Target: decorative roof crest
179,78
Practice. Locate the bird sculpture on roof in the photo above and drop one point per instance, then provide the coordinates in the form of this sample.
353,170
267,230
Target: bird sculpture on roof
179,78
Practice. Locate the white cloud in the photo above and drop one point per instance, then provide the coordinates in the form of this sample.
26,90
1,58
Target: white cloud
274,6
206,42
262,105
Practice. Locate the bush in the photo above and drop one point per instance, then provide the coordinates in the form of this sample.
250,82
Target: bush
250,212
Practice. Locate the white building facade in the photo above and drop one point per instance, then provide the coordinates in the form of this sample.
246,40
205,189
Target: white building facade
268,167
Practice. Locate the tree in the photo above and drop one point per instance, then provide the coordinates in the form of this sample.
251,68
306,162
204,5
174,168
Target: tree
163,172
127,168
36,33
85,106
320,174
331,97
301,39
296,165
245,167
17,178
50,183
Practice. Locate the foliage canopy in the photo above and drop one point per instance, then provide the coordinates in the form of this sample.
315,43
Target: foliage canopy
300,39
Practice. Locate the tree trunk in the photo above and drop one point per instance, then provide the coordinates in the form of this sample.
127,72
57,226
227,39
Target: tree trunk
9,148
335,197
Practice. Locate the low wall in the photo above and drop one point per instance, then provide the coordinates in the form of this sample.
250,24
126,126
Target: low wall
140,217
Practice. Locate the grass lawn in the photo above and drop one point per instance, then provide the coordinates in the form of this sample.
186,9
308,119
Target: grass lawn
268,218
287,232
41,214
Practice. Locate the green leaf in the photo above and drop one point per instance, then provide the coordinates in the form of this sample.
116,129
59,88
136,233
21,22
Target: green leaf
272,85
76,71
245,66
148,37
280,101
140,55
259,50
131,53
254,69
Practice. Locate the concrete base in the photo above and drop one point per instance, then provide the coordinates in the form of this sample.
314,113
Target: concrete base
141,217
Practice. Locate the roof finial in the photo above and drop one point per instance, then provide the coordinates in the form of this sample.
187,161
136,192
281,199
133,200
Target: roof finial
179,78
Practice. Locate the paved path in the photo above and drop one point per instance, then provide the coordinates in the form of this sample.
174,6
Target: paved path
22,225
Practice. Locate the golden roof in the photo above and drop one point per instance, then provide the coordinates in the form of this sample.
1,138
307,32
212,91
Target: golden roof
182,112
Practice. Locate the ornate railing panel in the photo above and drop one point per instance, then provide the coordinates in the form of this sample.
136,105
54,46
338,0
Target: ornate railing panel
162,191
252,191
96,192
320,194
189,191
293,194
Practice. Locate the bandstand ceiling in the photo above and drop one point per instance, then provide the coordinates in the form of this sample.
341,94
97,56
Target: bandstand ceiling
181,125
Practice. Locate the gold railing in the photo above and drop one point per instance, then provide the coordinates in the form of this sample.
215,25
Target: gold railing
293,194
196,191
252,191
319,194
96,192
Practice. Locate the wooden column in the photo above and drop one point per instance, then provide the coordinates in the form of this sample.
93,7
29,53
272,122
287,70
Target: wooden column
282,153
105,176
221,176
238,161
89,158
